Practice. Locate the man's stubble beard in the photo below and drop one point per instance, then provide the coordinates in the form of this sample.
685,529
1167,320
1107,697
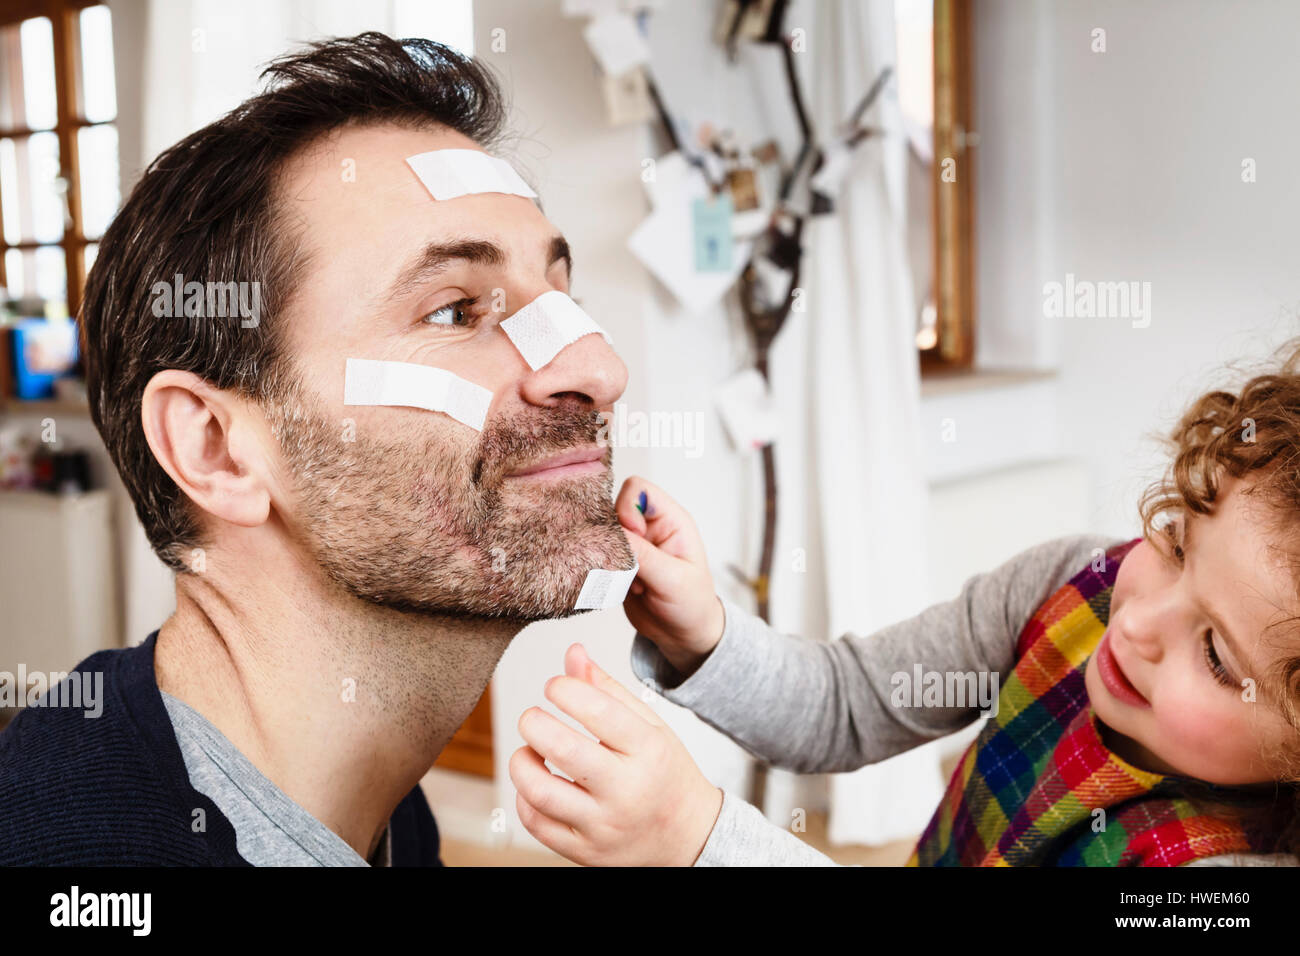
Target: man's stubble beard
432,527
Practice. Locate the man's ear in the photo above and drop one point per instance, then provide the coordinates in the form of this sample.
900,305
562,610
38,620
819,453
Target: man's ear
204,438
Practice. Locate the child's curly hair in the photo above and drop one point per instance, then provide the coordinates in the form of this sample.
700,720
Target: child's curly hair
1253,434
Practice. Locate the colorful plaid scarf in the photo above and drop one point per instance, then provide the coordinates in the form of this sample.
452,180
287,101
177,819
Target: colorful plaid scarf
1038,787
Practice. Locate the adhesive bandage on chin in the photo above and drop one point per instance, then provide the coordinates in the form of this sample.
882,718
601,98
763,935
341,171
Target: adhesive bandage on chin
372,382
449,173
548,324
603,589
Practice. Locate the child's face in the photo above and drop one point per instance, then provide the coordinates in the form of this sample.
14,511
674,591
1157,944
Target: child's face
1167,679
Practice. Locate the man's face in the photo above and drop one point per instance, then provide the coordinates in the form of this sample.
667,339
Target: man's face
411,508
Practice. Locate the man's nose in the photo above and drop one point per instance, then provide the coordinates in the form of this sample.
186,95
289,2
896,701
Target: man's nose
587,368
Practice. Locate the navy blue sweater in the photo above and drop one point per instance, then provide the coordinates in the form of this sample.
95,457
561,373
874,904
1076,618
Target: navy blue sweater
113,790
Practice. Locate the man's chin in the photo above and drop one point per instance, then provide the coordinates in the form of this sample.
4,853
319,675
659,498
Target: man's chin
520,579
550,590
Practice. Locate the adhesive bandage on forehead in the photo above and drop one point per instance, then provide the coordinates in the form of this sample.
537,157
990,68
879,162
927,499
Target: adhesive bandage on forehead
603,589
372,382
549,323
450,173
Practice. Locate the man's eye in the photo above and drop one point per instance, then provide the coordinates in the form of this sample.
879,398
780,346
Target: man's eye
451,314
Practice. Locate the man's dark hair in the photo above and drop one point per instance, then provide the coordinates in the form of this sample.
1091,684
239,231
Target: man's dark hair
208,210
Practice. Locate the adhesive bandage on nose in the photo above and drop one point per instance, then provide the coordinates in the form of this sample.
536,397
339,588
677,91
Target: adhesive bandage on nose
548,324
604,589
372,382
449,173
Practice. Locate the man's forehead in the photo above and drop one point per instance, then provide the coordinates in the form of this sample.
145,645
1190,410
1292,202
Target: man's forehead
380,147
356,183
358,168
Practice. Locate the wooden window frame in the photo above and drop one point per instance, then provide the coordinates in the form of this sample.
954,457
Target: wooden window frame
954,233
64,17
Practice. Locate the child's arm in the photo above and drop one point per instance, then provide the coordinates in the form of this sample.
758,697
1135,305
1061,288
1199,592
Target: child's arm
812,706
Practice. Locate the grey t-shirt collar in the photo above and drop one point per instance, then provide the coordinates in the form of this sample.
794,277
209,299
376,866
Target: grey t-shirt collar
270,829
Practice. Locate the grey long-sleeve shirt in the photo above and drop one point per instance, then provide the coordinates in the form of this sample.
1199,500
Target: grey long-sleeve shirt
823,707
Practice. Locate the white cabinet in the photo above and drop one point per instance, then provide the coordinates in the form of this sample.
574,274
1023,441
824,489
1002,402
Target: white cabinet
58,592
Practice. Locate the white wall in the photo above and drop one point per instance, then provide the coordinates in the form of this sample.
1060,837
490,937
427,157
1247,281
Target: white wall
1126,165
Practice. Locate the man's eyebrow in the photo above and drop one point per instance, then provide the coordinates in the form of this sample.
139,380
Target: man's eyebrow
560,250
436,257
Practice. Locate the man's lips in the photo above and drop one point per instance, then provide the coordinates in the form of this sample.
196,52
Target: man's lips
578,461
1114,678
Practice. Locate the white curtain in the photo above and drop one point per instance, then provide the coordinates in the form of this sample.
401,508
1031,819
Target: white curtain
845,373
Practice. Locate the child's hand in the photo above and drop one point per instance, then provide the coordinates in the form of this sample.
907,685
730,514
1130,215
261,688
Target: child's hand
672,601
637,798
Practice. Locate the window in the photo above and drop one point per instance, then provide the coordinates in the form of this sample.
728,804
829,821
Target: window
59,185
934,67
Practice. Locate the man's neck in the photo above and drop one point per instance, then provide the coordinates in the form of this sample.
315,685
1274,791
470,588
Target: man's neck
342,704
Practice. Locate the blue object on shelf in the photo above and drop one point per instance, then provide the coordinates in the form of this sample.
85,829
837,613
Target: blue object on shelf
42,352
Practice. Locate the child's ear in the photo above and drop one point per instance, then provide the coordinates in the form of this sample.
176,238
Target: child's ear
204,439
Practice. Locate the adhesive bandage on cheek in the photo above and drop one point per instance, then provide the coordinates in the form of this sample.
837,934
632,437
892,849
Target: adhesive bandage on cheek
604,589
449,173
372,382
548,324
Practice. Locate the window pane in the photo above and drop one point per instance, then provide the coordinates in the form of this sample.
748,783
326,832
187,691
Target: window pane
31,188
51,274
15,273
38,72
97,64
97,154
38,273
90,253
46,222
9,192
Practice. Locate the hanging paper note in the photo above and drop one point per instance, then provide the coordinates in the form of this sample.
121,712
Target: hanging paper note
616,43
712,217
627,97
